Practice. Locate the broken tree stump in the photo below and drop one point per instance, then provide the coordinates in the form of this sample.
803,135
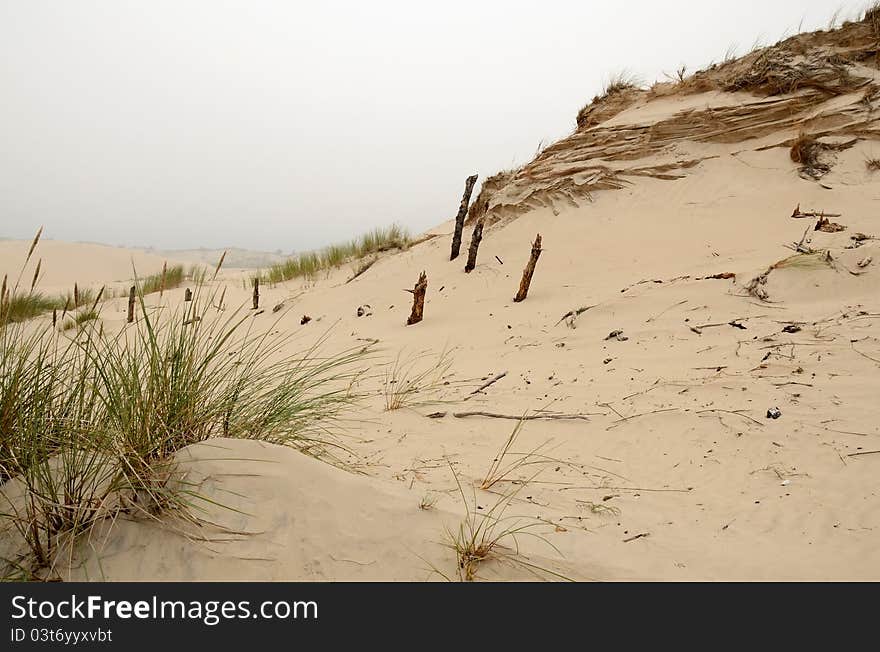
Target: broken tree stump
256,293
475,244
529,271
418,292
131,297
462,213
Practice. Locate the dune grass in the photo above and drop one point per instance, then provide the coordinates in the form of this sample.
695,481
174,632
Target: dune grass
487,535
89,425
19,306
167,279
309,264
414,379
80,319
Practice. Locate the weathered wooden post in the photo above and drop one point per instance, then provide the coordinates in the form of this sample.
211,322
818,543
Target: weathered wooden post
418,300
475,244
256,292
164,274
131,297
462,213
188,295
528,271
54,316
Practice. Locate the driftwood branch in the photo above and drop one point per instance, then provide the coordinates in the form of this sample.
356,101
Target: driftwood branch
520,417
494,379
798,213
418,293
475,245
462,213
529,271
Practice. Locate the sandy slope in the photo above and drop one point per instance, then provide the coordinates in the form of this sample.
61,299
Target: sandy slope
64,263
722,495
677,447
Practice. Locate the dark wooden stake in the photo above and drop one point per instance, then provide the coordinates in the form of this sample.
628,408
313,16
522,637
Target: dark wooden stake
188,295
131,297
54,317
462,213
256,293
475,244
418,300
528,271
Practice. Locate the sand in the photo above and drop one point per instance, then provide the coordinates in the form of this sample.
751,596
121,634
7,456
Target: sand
675,474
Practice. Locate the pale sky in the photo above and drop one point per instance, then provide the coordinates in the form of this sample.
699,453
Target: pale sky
288,125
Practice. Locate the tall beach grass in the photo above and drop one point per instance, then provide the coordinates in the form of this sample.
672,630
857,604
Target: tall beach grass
309,264
90,423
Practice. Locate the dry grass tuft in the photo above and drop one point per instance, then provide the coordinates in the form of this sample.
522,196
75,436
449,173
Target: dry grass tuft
501,469
618,93
493,535
410,381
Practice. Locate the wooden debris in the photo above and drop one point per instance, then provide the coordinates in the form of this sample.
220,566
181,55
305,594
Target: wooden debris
462,213
499,260
718,277
521,417
797,213
864,262
494,379
573,314
475,245
278,306
418,307
863,453
529,271
733,322
637,536
305,320
826,226
131,298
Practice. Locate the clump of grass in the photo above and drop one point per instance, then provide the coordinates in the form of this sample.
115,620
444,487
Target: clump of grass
80,319
21,306
409,381
428,501
617,85
167,279
493,535
600,509
309,264
89,426
873,164
805,149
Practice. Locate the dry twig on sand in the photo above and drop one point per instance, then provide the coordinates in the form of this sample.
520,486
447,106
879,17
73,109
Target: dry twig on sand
494,379
529,417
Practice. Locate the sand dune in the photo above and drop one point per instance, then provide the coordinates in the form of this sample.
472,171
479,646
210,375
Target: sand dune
676,473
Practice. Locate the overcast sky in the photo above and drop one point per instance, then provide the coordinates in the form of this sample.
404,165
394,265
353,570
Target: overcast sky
288,125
